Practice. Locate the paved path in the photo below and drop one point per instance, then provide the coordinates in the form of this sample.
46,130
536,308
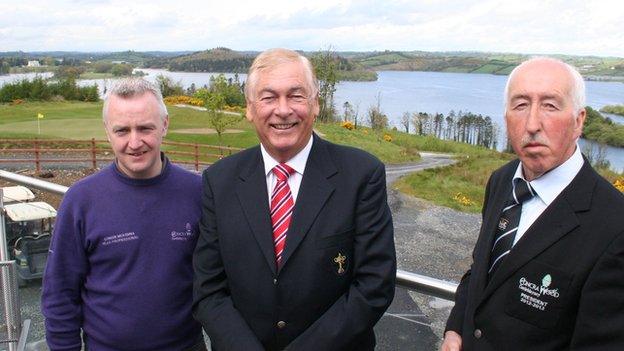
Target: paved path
430,240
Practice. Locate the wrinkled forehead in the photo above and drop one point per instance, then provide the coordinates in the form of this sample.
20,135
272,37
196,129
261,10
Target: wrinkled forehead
545,80
290,75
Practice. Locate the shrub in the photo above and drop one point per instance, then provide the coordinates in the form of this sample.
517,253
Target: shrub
347,125
184,100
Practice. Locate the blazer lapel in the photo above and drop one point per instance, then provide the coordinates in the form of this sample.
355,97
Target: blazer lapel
555,222
314,192
251,191
484,249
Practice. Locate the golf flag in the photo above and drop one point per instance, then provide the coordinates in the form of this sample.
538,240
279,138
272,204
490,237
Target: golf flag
39,115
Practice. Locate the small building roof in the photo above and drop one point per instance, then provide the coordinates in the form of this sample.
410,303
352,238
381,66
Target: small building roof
28,211
16,194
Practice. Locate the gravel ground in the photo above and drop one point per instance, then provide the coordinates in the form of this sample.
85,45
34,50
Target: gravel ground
434,241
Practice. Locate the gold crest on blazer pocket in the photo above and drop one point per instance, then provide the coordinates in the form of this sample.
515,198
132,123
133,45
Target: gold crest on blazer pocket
338,260
537,294
337,251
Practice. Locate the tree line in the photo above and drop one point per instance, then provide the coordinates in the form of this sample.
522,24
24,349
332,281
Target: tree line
465,127
238,64
40,89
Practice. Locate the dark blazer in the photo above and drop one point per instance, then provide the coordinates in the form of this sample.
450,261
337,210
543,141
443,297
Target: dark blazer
309,304
562,285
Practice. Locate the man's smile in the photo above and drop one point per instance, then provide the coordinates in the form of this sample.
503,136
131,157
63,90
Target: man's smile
283,126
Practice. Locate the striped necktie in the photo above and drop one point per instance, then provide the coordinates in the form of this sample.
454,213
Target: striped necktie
281,209
508,224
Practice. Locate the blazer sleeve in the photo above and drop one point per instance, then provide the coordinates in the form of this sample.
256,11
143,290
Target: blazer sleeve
212,304
455,321
600,319
372,288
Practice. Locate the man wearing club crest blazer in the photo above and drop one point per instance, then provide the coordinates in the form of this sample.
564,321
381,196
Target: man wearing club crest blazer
296,247
560,285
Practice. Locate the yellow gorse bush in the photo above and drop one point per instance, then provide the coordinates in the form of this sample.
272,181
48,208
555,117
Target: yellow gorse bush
619,184
347,125
463,200
387,137
183,99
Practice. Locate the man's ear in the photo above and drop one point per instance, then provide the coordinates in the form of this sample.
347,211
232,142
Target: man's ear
107,132
316,109
580,121
249,112
165,125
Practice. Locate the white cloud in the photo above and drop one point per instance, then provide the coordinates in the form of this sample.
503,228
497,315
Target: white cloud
528,26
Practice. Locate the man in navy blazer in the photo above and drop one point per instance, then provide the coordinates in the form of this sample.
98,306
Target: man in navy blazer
334,278
561,284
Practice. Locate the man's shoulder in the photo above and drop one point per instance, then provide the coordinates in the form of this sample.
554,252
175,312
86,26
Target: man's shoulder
604,192
233,163
181,174
504,173
347,154
96,180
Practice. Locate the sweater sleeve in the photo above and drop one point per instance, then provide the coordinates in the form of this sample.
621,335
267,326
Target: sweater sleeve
63,279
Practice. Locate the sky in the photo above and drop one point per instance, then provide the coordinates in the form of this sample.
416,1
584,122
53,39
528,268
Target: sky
572,27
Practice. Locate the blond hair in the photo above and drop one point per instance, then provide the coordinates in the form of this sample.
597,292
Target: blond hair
272,58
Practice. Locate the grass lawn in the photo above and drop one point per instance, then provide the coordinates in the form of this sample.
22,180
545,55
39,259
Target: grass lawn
81,120
460,186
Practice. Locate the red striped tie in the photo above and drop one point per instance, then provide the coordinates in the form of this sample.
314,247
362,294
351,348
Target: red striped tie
281,209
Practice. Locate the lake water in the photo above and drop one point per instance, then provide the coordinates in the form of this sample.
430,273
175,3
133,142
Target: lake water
430,92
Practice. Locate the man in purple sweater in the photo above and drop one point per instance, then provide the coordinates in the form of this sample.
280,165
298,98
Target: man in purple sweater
119,274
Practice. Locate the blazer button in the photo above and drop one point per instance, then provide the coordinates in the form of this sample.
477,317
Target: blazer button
281,325
274,281
478,333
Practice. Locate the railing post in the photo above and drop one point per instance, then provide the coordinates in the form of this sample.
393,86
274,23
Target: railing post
196,158
37,160
93,160
9,285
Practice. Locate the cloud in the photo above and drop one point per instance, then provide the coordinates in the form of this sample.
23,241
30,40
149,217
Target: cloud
528,26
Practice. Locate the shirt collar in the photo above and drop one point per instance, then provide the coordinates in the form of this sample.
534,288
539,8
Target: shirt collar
551,184
298,162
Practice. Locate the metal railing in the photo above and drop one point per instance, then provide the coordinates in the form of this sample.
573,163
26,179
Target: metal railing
409,280
412,281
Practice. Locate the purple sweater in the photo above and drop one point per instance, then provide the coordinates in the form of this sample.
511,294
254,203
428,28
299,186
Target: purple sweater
120,263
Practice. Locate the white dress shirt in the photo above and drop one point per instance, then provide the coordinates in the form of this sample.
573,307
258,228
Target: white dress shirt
298,163
547,187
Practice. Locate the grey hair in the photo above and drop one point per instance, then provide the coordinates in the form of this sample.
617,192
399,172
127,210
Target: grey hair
577,91
270,59
135,86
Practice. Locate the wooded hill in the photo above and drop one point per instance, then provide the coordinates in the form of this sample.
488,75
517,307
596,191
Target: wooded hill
591,67
227,60
351,65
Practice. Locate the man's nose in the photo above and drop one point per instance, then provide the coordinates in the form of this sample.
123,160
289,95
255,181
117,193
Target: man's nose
135,141
533,122
283,107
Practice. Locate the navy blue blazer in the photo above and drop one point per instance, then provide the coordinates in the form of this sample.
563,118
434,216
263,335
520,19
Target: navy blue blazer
338,272
562,285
